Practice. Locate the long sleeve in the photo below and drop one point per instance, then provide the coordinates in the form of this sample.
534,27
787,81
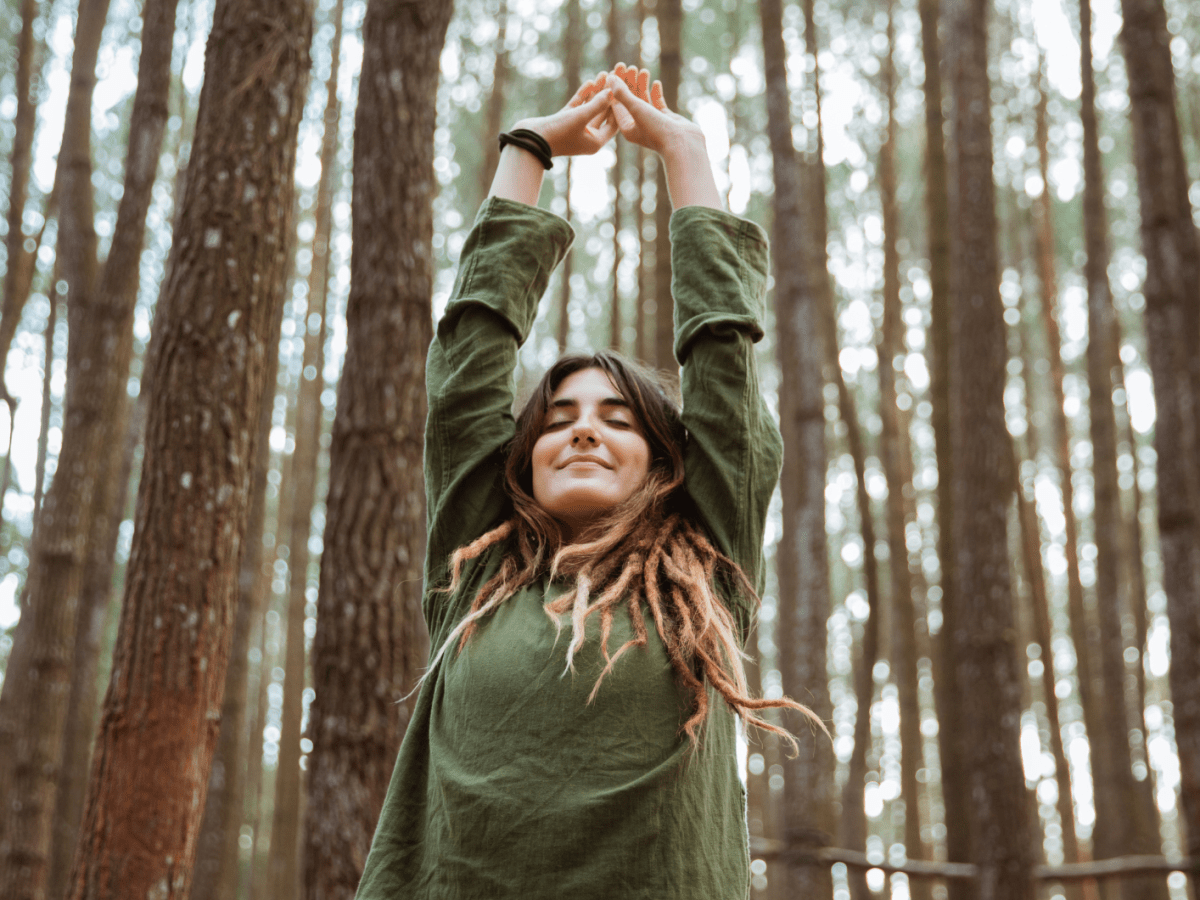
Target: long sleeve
505,266
735,451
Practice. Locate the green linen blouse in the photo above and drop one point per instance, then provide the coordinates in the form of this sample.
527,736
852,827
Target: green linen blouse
508,784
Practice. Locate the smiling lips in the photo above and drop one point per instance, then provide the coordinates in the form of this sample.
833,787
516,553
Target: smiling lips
584,458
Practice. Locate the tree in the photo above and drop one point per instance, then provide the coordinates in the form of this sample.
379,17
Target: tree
371,642
207,377
572,66
670,70
1172,292
801,558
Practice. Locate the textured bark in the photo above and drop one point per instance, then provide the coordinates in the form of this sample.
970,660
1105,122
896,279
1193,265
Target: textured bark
255,776
983,635
1172,291
371,642
896,458
803,566
494,116
207,376
35,695
39,473
18,272
1136,829
572,66
283,861
644,178
670,71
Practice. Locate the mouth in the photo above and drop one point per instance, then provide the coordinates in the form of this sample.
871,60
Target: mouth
595,460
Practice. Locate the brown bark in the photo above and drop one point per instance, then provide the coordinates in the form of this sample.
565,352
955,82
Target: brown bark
284,858
946,690
1172,292
207,376
1136,828
39,474
670,70
572,66
802,562
18,272
985,660
645,250
36,694
896,458
494,116
255,775
371,642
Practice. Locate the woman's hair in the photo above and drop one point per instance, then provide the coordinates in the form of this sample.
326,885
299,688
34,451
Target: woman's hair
649,548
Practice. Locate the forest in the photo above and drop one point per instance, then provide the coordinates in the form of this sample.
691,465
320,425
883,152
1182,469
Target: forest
231,228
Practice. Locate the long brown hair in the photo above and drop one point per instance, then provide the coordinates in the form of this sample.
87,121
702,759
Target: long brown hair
650,549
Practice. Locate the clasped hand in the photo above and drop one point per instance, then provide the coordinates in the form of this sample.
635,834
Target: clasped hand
621,100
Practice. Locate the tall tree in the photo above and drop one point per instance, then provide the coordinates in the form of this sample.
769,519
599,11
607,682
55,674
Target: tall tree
670,71
207,376
982,640
495,105
33,704
283,861
371,642
896,457
803,566
1172,292
616,54
572,68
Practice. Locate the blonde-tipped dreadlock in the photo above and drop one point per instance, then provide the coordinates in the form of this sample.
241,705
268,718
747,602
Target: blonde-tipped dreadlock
643,552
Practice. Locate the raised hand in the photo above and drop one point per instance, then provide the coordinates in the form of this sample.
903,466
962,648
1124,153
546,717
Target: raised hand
642,115
581,127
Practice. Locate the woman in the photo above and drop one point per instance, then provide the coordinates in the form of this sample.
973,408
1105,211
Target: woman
600,764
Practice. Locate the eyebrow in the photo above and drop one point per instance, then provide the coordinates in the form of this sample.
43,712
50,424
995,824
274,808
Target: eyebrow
564,402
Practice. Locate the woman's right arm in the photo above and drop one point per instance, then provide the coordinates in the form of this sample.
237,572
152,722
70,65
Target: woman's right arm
504,269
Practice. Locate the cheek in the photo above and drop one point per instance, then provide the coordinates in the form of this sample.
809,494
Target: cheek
540,465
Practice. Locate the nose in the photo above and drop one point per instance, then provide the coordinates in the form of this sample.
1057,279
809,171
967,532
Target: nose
583,432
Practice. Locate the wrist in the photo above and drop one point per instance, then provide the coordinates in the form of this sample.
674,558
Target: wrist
685,147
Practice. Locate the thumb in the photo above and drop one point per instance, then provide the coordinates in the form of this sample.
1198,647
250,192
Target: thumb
578,116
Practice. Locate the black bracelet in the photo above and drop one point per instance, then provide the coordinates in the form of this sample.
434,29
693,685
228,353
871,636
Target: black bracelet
531,142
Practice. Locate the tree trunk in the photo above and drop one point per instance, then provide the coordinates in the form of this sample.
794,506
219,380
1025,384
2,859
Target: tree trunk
896,457
371,642
39,473
572,67
35,695
256,882
644,178
284,858
616,54
207,375
982,640
1172,291
801,630
670,70
18,272
494,120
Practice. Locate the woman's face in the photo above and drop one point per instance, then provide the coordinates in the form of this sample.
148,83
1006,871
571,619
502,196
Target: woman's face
591,454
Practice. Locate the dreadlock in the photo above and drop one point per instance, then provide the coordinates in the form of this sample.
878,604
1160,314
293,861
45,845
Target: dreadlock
646,551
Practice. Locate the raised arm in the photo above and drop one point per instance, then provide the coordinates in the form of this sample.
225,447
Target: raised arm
505,266
719,272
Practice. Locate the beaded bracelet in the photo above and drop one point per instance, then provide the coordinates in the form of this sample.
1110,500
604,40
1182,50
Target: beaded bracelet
531,142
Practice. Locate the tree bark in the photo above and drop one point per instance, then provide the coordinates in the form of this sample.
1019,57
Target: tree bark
284,859
670,71
803,566
371,641
494,122
1172,292
207,376
896,457
616,54
985,660
572,67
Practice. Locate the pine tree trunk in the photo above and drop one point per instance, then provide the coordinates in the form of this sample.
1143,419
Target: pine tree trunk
616,54
670,71
895,455
18,272
801,630
36,694
371,643
207,376
284,858
494,118
1172,291
982,641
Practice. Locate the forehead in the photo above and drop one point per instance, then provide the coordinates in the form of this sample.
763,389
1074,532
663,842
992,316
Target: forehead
587,386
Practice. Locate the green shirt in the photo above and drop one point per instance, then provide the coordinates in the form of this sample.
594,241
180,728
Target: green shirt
509,785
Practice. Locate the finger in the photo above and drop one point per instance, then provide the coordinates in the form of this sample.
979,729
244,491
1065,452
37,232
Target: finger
643,82
588,90
631,78
656,97
623,118
608,128
619,70
579,116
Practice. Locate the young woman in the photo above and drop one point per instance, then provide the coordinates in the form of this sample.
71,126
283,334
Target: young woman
592,566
